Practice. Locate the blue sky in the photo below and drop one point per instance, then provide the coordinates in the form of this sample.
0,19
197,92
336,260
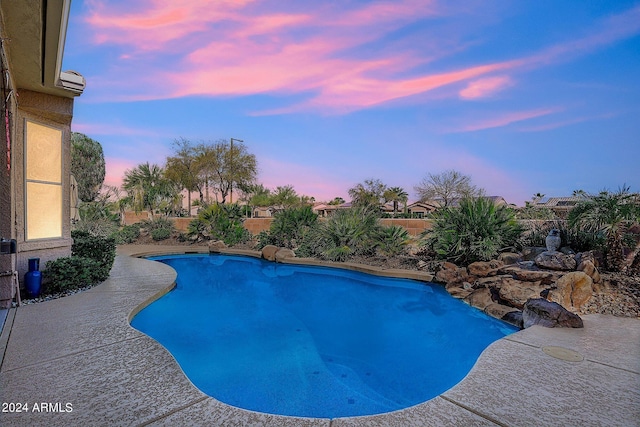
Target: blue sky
524,96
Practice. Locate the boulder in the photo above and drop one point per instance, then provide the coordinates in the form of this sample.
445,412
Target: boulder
509,258
573,290
492,281
458,292
485,268
498,310
556,261
525,275
529,253
283,254
589,268
541,312
452,274
514,318
480,298
216,246
516,293
269,252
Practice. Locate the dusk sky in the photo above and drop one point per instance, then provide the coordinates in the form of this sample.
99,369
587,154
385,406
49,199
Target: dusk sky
525,96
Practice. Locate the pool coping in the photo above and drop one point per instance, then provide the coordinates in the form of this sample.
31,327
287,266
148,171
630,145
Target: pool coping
81,350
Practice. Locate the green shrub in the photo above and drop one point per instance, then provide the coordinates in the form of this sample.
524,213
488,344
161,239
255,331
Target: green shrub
350,232
160,222
160,234
69,273
392,240
219,222
100,249
474,231
127,234
289,227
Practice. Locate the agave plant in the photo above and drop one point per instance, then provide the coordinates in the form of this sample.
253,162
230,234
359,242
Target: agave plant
474,231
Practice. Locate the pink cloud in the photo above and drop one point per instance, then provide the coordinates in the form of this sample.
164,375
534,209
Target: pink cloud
555,125
506,119
485,87
115,168
230,48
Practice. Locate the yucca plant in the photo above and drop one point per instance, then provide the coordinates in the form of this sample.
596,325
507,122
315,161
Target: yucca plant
474,231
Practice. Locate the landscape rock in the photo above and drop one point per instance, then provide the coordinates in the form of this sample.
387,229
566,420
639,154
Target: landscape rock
485,268
458,292
526,275
452,274
529,253
498,310
549,314
480,298
510,258
269,252
215,246
493,281
514,318
573,290
283,254
556,261
590,270
517,293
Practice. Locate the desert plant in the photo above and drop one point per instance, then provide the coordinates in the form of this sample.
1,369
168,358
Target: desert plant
219,222
392,240
127,234
350,232
289,226
611,215
160,234
474,231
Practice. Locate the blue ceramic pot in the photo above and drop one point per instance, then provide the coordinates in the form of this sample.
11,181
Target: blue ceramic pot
33,278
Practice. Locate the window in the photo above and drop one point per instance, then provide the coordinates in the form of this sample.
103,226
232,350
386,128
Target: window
43,181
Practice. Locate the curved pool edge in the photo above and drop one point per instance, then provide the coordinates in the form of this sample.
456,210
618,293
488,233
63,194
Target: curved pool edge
81,349
438,408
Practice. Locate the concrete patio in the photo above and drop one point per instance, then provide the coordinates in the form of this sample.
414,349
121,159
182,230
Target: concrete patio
80,350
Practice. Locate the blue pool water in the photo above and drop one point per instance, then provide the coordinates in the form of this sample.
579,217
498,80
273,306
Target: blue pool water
314,342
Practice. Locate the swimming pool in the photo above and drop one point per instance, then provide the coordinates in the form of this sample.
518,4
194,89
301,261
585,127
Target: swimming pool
313,341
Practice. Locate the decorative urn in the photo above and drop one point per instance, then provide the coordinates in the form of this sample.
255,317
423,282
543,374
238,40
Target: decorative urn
553,240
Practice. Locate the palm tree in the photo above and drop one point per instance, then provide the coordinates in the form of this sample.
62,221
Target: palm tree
610,214
148,187
395,195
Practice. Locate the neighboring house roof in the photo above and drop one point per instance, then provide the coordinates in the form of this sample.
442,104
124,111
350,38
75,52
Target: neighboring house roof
497,200
559,202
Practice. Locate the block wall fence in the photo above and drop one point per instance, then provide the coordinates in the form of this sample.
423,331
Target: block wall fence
255,225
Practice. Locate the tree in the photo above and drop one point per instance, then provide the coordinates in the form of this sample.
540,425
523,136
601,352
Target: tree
87,165
225,167
371,193
184,169
395,195
446,187
336,201
149,188
612,215
285,196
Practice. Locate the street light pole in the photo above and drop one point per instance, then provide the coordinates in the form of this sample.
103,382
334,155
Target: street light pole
231,155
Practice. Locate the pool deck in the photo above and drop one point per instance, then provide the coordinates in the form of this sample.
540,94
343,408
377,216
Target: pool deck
80,350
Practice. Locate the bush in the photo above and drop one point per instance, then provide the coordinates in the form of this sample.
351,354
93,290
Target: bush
157,223
219,222
69,273
100,249
289,227
535,232
474,231
350,232
160,234
392,241
127,234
